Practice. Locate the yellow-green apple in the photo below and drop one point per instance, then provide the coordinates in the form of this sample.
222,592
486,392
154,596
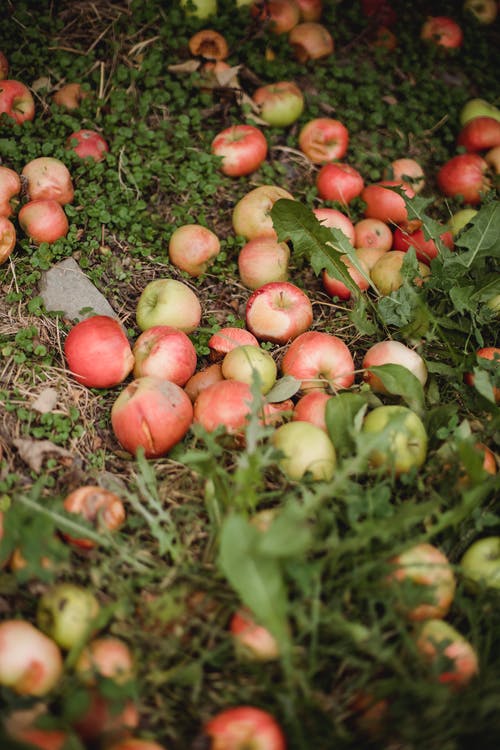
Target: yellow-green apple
324,139
369,256
478,108
30,662
153,414
320,361
262,260
16,101
480,134
442,31
311,407
481,562
485,11
339,182
386,272
209,44
251,215
452,657
88,144
69,96
43,220
278,311
10,187
395,353
7,238
102,508
306,449
192,248
384,204
333,219
200,8
48,178
401,439
252,641
464,176
66,612
108,657
4,66
203,378
280,15
490,353
460,219
373,234
224,404
424,582
336,288
98,353
310,40
492,157
310,10
226,338
280,103
243,727
242,148
168,302
408,171
166,352
243,363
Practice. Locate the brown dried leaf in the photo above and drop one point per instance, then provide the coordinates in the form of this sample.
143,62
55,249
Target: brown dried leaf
34,452
390,100
46,400
190,66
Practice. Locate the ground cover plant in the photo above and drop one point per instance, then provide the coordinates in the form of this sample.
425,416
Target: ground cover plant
328,538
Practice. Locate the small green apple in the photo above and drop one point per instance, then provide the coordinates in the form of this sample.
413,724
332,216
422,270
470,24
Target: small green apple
200,8
306,448
460,219
168,302
243,361
403,438
65,613
481,561
478,108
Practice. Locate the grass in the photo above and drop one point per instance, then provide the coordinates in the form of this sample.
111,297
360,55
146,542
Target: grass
189,553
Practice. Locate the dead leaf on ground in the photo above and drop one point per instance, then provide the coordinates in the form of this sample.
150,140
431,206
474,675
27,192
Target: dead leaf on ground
190,66
34,452
46,401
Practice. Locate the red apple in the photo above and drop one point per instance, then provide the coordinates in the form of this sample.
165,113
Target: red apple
30,662
10,187
464,176
480,134
408,171
336,288
310,41
209,44
252,641
425,566
168,302
339,182
396,353
166,352
490,353
310,10
4,66
98,352
224,404
281,15
44,739
7,238
16,101
88,144
151,413
410,234
320,360
48,178
252,214
324,139
43,220
385,204
386,272
280,103
372,233
244,727
69,96
334,219
263,260
103,508
243,148
442,31
108,657
278,311
311,407
192,248
452,656
227,338
202,379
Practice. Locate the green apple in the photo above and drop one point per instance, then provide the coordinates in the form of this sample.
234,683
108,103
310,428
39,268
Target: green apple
242,362
460,219
200,8
481,562
65,613
305,448
168,302
402,443
478,108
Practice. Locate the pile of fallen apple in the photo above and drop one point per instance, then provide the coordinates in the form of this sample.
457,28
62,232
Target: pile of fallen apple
167,390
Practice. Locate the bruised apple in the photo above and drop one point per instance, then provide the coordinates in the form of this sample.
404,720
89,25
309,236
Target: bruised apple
103,508
310,41
153,414
69,96
209,44
98,353
48,178
43,220
324,139
319,360
30,661
192,248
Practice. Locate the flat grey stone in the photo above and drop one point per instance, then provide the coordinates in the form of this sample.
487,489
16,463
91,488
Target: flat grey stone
65,288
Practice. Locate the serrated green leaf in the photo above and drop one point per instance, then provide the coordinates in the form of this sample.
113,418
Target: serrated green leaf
340,416
483,238
400,381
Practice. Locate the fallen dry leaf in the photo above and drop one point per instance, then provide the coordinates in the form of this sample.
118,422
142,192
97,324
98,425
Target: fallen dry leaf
34,452
186,67
46,400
